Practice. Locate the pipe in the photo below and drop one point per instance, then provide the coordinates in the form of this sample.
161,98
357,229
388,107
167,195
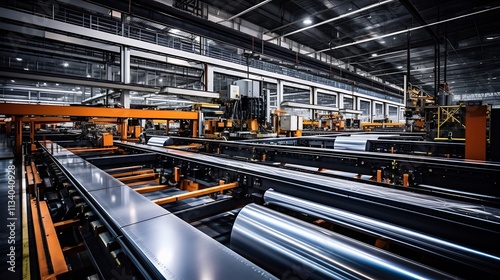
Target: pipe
288,247
483,262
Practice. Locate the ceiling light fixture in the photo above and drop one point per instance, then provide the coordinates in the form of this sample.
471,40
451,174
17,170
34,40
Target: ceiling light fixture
307,21
26,69
57,84
160,80
383,42
12,81
88,75
44,84
374,54
399,67
65,64
19,59
491,37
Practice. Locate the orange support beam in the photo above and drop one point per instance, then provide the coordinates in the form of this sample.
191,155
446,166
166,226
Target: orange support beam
54,248
141,183
130,173
379,176
177,174
84,111
405,180
197,193
148,189
475,132
137,177
19,135
84,150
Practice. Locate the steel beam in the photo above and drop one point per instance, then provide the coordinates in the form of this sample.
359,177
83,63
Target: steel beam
82,111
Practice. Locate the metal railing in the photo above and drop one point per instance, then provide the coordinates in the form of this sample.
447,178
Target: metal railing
229,53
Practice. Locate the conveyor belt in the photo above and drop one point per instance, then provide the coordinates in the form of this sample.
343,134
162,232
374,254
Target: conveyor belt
472,262
450,219
293,248
163,245
476,179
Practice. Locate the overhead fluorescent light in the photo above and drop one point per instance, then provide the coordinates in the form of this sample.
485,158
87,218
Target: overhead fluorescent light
374,54
307,21
399,67
26,69
12,81
19,59
65,64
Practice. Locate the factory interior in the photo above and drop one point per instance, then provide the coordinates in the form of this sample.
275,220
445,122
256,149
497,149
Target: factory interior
250,139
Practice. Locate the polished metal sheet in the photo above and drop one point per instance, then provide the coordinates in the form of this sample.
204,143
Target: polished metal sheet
355,142
479,211
288,247
179,251
86,174
125,206
387,231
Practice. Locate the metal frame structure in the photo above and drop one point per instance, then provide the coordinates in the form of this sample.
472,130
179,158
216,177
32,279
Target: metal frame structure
477,179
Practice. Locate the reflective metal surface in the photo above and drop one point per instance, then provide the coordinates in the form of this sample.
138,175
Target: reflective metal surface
416,200
355,142
168,246
125,206
381,229
289,247
179,251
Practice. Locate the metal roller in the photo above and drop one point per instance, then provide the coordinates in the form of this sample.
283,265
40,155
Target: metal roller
288,247
480,261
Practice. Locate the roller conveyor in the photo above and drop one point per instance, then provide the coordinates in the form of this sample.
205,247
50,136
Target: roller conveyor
159,241
457,176
478,263
294,248
440,217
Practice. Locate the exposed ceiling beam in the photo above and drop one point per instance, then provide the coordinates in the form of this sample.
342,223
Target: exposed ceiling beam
332,19
405,31
416,14
246,11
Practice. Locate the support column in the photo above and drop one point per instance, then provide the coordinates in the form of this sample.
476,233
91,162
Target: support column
32,133
209,77
279,94
19,135
475,132
125,75
124,130
8,128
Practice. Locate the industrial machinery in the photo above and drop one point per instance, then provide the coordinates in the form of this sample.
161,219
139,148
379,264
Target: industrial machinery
192,208
244,112
145,212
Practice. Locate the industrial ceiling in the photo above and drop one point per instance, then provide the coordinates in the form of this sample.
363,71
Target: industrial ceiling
373,36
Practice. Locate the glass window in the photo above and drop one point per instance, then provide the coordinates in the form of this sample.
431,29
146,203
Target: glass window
327,100
348,104
379,111
364,106
393,113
